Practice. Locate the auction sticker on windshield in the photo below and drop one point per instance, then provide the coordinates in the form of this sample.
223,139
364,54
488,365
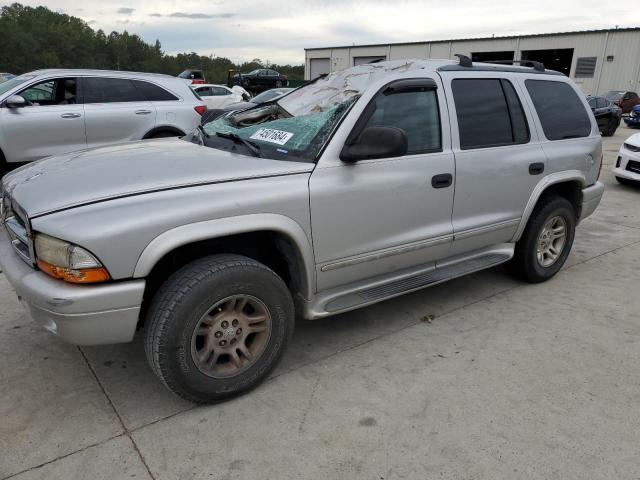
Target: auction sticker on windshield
272,136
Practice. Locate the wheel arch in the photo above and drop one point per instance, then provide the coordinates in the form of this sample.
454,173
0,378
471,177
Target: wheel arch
568,184
273,239
162,129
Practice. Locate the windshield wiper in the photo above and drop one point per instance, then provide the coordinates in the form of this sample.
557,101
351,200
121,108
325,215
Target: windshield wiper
252,147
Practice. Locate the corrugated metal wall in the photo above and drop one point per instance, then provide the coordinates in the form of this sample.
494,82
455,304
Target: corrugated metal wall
621,72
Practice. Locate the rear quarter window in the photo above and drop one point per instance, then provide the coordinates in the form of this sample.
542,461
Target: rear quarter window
561,112
153,92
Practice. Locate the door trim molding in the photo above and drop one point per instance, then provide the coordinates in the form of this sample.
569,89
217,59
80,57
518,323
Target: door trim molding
386,252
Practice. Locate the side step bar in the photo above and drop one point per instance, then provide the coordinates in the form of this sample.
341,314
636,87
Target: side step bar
328,303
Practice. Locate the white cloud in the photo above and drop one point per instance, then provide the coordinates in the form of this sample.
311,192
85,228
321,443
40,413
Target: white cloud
279,32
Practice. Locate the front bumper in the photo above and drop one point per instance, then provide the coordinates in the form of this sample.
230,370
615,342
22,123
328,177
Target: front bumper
628,165
591,197
79,314
633,122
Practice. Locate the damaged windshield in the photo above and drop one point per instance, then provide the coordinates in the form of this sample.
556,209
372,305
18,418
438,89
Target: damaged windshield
298,125
269,131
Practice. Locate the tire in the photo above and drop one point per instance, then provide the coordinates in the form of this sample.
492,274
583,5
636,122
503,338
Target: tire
526,262
610,131
164,134
189,303
625,181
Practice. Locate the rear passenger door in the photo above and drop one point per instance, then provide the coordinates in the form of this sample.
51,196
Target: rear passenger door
499,159
115,111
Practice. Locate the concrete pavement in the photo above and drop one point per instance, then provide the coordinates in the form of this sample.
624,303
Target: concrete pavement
508,380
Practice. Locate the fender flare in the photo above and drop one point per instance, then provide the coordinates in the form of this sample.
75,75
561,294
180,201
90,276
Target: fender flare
543,184
222,227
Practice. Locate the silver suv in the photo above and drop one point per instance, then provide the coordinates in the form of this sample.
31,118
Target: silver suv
49,112
372,182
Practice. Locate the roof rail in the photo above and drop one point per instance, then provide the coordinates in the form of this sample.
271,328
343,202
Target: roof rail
464,60
539,66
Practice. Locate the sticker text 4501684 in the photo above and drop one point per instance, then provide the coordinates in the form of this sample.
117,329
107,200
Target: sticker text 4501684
270,135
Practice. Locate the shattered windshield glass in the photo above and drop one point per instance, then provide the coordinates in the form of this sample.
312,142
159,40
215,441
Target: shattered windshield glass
297,126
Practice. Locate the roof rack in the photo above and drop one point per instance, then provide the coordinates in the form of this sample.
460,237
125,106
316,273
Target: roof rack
464,60
468,63
539,66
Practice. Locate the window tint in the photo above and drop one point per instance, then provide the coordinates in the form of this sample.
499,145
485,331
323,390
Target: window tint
489,113
593,103
111,90
61,91
153,92
560,110
414,112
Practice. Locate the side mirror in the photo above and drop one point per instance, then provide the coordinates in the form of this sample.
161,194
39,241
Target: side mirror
16,101
376,142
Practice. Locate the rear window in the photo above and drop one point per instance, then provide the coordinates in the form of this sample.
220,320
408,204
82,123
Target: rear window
561,112
489,113
154,93
111,90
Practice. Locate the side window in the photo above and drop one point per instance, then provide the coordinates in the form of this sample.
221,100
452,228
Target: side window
602,103
219,91
633,95
415,112
593,102
111,90
560,110
153,92
204,91
60,91
489,113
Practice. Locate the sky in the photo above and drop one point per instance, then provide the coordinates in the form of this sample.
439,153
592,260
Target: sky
278,31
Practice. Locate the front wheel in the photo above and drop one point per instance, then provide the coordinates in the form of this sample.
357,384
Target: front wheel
612,126
546,240
217,327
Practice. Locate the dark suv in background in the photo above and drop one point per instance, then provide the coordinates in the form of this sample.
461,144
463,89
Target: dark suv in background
608,115
260,79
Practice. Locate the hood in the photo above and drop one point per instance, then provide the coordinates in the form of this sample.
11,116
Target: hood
105,173
633,140
636,109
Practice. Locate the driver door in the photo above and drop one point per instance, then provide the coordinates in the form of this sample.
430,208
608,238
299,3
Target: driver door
52,124
378,216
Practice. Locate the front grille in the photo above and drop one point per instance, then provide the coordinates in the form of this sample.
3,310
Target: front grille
631,148
17,227
633,166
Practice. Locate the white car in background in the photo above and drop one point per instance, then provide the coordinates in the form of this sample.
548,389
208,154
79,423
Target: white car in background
627,169
219,96
50,112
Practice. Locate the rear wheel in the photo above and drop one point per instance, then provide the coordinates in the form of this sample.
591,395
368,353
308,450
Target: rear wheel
164,134
217,327
546,240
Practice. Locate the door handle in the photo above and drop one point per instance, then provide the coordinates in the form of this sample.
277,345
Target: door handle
536,168
70,115
142,112
442,180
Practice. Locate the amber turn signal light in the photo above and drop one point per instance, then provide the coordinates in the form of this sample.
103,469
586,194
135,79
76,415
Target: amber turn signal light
83,275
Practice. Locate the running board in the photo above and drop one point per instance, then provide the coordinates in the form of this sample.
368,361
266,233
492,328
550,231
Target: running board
447,269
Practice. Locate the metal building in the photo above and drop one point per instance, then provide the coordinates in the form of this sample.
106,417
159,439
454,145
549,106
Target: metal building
597,60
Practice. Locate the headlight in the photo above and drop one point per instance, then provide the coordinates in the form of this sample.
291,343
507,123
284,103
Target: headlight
68,262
